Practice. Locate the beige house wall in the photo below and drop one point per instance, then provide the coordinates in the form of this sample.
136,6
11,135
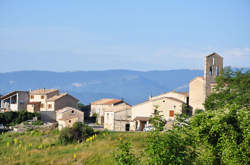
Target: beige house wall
116,121
109,119
166,105
66,123
197,93
38,98
69,112
147,109
33,108
101,109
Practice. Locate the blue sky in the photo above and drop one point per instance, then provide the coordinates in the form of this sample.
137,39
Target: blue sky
60,35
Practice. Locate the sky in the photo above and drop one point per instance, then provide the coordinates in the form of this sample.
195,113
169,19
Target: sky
82,35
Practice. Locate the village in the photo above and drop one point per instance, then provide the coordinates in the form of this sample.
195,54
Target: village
113,114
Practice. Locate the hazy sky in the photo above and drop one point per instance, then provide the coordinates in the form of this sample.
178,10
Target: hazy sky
60,35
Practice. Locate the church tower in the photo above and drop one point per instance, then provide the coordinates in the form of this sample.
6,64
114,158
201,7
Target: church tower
202,86
212,68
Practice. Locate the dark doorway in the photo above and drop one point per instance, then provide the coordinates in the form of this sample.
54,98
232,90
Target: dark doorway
127,126
143,125
102,120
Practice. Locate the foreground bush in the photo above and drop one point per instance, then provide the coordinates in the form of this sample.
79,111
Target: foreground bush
124,155
78,133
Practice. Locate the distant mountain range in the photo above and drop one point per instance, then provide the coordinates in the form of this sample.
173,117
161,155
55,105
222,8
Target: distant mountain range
88,86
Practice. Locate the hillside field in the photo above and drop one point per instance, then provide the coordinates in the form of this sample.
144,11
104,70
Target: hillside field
42,147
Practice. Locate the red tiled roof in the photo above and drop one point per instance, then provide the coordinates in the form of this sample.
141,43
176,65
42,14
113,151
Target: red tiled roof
56,97
106,101
42,91
114,101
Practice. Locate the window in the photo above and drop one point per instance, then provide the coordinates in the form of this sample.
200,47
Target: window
171,113
41,106
163,101
217,71
72,111
31,97
49,106
42,97
213,60
155,112
107,116
211,71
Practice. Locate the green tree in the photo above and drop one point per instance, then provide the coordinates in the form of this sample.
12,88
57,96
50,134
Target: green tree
222,136
157,120
232,88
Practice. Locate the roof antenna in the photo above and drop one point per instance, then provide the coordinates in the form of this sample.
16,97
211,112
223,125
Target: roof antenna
150,96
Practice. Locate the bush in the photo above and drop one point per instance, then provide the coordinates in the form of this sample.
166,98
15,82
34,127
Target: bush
124,154
170,147
13,118
77,133
38,122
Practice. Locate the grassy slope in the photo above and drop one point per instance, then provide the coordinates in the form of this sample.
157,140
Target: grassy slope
46,150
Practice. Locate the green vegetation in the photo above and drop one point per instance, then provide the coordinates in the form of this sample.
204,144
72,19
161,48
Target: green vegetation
78,133
43,147
219,135
13,118
232,88
157,120
125,156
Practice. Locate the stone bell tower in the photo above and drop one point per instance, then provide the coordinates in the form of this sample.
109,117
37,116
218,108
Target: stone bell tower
212,68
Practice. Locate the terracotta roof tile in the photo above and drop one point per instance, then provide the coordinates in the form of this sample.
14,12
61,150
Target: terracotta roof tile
42,91
106,101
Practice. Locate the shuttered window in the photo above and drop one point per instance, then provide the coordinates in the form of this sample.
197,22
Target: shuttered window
171,113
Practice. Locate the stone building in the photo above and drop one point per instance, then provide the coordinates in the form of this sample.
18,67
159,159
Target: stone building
15,101
48,101
117,120
100,106
168,104
67,116
201,87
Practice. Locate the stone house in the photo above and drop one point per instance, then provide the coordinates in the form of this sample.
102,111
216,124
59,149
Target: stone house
202,86
100,106
15,101
48,101
117,120
67,116
168,104
40,97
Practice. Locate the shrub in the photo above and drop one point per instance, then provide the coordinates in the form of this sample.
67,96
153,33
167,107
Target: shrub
78,133
13,118
38,122
124,154
169,148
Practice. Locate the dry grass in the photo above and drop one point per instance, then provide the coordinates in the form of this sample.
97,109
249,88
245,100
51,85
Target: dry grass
46,150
